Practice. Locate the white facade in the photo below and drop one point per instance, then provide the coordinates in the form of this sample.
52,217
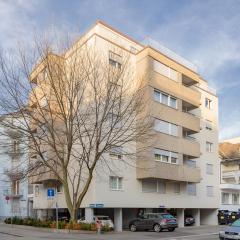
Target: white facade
13,190
120,194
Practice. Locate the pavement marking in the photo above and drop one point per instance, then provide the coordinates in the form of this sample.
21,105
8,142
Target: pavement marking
10,234
190,236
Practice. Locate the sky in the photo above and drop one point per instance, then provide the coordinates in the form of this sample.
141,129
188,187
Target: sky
205,32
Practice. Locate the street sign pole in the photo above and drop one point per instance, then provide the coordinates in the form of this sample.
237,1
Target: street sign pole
56,209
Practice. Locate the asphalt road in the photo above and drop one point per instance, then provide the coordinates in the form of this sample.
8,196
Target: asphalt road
190,233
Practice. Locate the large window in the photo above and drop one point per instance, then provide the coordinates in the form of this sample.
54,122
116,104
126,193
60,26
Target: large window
153,185
225,198
209,169
165,70
209,146
177,187
210,191
165,99
115,183
235,198
166,127
209,125
165,156
192,189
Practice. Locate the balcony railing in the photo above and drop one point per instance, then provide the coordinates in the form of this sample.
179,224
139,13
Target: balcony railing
231,174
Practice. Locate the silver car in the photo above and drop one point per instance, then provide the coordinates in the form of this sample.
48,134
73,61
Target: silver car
231,232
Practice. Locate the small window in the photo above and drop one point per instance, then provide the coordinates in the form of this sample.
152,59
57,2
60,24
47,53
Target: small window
209,169
192,189
191,163
115,60
36,190
173,102
209,146
210,191
116,152
208,103
209,125
177,187
115,183
15,186
59,188
165,156
225,198
235,198
16,145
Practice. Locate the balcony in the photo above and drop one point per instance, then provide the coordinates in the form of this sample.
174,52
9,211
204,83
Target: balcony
176,144
177,117
187,81
14,173
152,169
231,174
176,89
230,186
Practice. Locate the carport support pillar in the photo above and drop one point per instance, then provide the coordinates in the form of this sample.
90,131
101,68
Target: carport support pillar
180,217
118,219
196,215
89,215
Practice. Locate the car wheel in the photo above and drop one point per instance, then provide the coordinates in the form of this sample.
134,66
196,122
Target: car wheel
171,229
133,228
157,228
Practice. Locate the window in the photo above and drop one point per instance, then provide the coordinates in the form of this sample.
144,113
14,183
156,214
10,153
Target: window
30,189
191,163
59,188
153,185
208,103
177,187
149,185
165,70
36,190
225,198
115,60
192,189
166,127
209,146
209,125
15,145
115,183
235,198
165,156
165,99
15,186
210,191
116,152
209,169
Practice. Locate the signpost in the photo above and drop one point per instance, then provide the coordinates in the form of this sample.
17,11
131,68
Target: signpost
51,192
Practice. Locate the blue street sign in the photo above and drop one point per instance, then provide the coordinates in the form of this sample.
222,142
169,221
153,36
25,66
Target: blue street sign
50,192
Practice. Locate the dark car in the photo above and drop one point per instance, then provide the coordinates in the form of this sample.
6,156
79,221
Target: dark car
223,217
189,220
154,221
231,232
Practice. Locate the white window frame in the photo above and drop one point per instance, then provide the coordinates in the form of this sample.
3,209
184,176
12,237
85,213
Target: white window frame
210,191
119,186
209,169
170,127
168,154
169,98
209,147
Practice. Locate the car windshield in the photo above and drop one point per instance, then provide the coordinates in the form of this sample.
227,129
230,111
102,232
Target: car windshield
103,218
236,223
167,216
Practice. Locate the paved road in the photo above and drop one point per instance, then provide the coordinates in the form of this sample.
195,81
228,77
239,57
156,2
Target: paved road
190,233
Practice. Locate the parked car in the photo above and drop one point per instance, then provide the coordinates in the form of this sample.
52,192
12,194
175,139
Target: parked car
104,220
154,221
231,232
189,220
223,217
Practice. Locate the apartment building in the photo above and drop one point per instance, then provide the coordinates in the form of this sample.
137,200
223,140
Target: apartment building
13,187
230,174
180,171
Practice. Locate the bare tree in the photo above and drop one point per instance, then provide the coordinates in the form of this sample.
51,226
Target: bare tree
75,109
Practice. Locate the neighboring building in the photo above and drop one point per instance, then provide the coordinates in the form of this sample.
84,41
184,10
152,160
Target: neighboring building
14,157
230,174
181,170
